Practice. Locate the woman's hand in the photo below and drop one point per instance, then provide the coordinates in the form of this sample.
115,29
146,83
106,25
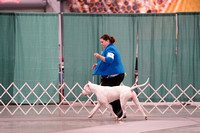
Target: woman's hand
94,66
96,55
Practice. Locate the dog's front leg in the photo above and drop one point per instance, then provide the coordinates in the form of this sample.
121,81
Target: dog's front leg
110,109
94,110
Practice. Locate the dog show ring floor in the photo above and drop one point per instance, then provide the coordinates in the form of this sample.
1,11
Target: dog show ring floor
100,123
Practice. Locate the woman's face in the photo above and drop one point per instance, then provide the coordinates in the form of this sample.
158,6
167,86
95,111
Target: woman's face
104,43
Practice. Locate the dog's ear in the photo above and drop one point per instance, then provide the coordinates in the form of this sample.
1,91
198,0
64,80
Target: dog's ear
88,83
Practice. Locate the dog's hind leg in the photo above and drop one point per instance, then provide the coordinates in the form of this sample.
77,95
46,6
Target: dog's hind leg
123,103
136,101
108,106
94,110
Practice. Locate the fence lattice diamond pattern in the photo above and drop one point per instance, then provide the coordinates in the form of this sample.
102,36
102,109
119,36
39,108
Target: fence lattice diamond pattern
162,105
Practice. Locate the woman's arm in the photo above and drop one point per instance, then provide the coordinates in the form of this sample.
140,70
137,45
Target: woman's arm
96,55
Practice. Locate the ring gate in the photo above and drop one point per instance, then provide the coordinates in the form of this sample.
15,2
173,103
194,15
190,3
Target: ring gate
12,106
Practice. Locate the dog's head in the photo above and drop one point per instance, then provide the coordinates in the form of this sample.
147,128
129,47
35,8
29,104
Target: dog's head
86,90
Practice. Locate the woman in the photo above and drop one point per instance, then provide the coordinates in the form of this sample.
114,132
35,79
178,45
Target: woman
110,68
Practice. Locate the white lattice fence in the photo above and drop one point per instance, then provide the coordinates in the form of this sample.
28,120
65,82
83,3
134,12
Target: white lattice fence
149,105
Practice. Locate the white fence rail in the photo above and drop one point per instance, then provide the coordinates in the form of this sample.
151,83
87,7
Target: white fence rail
12,106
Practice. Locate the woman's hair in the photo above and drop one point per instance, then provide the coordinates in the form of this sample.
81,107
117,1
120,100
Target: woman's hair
107,37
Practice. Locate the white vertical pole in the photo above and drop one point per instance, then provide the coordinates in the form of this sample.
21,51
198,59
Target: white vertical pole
176,33
60,26
60,49
60,46
60,55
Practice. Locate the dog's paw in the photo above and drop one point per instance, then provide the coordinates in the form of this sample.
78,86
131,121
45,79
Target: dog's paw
90,116
145,118
116,118
120,119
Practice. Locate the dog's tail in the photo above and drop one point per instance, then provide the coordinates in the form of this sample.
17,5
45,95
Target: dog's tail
136,86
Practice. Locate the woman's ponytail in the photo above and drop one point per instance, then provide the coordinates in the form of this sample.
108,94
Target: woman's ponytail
112,39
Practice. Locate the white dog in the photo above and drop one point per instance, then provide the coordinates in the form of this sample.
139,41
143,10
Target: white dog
106,95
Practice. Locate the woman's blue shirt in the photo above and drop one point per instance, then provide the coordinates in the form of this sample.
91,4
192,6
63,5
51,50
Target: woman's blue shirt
112,65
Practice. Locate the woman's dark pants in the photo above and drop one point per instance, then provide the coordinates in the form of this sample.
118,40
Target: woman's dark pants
114,81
